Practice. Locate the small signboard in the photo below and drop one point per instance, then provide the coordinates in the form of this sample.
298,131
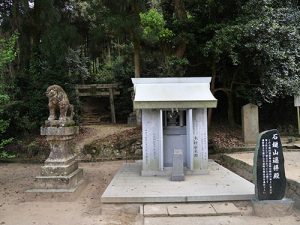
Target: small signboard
269,174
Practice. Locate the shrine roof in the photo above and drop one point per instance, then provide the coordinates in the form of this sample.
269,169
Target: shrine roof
166,93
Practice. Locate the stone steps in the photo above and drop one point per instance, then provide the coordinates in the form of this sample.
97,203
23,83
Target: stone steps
94,119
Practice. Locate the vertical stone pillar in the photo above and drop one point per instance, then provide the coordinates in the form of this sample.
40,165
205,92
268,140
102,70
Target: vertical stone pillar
250,123
151,141
200,141
60,172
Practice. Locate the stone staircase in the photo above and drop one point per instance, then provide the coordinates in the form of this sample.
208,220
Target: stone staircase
94,119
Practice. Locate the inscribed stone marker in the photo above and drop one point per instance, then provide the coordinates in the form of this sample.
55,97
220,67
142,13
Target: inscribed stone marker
177,170
269,174
250,124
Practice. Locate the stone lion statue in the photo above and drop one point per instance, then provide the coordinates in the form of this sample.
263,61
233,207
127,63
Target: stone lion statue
58,99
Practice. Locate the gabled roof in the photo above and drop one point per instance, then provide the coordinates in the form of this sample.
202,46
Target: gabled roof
166,93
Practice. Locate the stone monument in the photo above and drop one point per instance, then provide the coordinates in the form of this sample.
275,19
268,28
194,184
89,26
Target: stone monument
297,104
250,123
269,177
60,172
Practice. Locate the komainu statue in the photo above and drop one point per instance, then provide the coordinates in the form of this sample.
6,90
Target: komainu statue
58,100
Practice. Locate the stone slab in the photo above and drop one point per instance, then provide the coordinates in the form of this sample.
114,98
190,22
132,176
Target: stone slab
60,162
292,168
80,185
191,210
177,170
220,184
59,170
155,210
226,208
59,182
297,145
250,123
59,131
273,208
214,220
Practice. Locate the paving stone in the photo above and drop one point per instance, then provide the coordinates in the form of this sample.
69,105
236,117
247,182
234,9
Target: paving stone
191,209
155,210
226,208
220,220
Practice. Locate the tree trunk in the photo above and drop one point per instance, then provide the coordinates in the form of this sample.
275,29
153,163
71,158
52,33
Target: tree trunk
16,27
212,89
230,112
137,59
180,9
181,15
180,49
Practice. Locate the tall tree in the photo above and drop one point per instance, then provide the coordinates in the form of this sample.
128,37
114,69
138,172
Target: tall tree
122,21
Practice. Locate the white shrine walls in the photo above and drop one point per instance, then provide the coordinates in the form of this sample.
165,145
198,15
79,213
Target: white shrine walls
152,141
200,141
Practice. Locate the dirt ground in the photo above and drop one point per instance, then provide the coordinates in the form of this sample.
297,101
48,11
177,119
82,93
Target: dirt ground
84,207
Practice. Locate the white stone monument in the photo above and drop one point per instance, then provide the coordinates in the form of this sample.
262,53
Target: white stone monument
297,104
174,116
250,123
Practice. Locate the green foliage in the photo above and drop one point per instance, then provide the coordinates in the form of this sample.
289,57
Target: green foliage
276,50
265,40
6,155
173,67
154,26
105,75
52,61
7,55
251,46
7,51
224,42
77,64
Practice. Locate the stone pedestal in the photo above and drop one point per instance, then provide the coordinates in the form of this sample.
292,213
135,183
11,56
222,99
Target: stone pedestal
60,173
250,123
273,208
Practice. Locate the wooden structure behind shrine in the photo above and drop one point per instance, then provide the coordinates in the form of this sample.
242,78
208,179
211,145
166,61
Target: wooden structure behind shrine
100,90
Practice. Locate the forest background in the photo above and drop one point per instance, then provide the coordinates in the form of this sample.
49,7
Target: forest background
250,48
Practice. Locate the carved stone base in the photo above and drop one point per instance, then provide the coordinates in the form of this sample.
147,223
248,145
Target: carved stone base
60,173
273,208
62,183
57,123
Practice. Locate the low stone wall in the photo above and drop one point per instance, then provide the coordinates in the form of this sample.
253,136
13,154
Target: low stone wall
127,145
244,170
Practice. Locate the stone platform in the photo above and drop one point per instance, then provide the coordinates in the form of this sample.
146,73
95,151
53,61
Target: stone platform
220,184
